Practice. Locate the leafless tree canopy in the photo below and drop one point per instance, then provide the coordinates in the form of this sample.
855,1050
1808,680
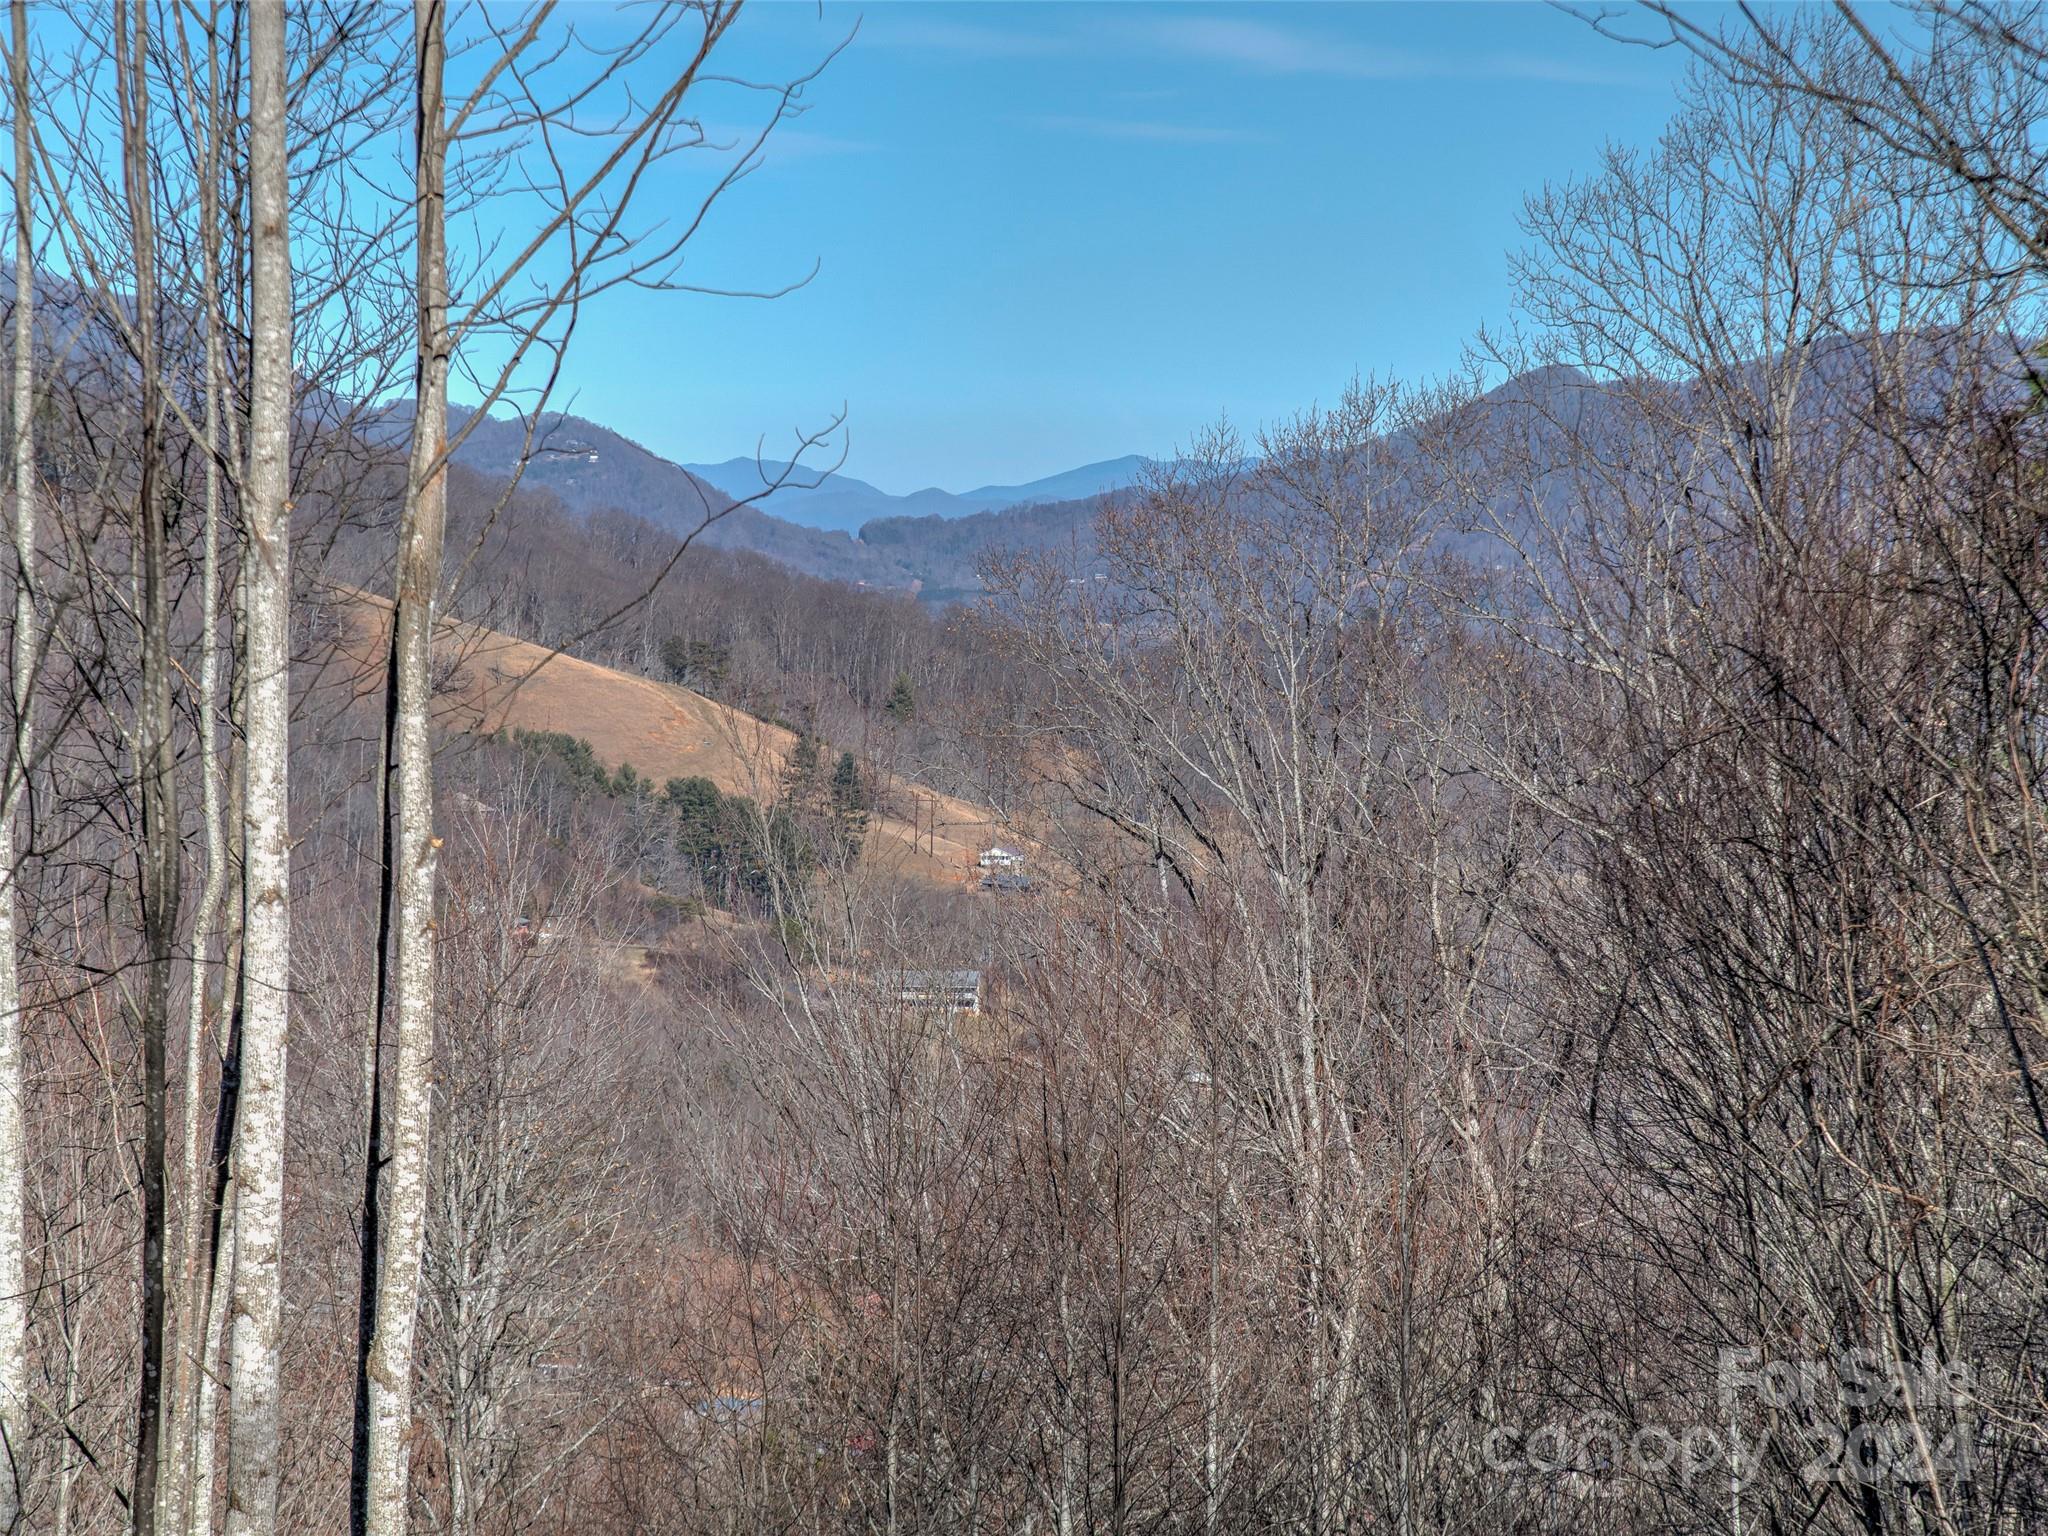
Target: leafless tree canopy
1528,1012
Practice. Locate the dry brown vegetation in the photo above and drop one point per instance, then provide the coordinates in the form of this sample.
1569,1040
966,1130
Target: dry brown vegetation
494,683
1538,1021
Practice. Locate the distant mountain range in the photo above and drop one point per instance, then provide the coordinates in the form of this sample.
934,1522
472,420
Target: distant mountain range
930,543
842,502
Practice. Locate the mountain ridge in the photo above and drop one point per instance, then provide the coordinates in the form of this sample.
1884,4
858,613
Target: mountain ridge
591,469
835,500
933,549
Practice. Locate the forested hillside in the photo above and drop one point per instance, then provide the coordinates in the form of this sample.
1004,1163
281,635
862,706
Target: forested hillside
1473,959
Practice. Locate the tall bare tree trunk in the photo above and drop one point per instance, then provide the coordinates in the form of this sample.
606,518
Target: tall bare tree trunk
403,1192
216,1276
252,1472
189,1356
370,1257
156,758
13,1138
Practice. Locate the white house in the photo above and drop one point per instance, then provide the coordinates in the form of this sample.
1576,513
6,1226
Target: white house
944,991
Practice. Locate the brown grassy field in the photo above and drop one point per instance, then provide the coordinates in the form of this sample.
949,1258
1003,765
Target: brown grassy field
497,682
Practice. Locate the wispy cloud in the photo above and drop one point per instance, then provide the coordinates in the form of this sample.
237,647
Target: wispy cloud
802,144
968,39
786,144
1142,130
1272,49
1258,45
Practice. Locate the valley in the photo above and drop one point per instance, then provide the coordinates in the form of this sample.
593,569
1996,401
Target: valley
1464,952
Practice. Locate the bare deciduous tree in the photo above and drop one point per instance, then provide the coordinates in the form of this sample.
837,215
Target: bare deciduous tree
14,1421
252,1472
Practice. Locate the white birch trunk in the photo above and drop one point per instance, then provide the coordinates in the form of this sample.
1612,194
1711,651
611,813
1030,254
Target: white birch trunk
14,1418
188,1358
191,1322
252,1470
403,1194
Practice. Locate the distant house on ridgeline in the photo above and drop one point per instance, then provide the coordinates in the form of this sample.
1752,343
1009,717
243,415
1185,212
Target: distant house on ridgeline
1008,860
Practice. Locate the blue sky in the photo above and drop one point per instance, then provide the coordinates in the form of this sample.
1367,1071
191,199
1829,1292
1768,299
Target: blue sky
1046,234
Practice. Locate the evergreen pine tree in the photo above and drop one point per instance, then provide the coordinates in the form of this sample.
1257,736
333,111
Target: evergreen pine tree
902,705
800,773
849,804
